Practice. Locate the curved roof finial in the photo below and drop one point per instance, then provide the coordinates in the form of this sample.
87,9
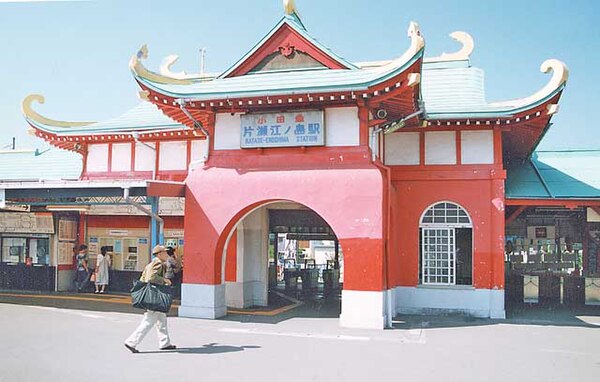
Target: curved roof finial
560,75
31,115
165,68
417,43
136,66
462,54
467,47
289,7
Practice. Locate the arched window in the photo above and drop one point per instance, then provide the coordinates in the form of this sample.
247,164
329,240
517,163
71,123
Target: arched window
446,245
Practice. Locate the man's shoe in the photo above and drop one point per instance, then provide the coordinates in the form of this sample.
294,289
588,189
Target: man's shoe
131,348
170,347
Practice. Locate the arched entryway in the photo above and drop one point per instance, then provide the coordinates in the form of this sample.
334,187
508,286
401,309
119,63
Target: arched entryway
349,200
283,255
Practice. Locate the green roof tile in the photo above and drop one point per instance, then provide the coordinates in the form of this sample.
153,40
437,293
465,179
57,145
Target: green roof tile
556,174
36,165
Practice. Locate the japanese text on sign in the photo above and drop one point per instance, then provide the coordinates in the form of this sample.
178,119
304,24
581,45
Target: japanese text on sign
302,128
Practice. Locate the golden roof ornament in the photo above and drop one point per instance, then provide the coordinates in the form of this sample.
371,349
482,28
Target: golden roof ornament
289,7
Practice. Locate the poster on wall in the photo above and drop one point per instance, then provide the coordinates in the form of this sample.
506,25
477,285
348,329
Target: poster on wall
118,246
93,246
65,253
67,230
541,232
26,223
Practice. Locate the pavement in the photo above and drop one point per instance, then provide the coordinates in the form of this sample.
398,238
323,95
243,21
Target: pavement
80,338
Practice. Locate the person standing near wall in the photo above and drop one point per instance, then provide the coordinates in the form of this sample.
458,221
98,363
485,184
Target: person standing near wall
153,273
101,270
172,265
172,270
81,278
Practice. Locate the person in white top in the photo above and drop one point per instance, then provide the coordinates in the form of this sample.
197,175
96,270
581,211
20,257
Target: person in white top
101,271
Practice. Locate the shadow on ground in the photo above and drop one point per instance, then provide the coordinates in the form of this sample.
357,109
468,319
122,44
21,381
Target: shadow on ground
530,314
212,348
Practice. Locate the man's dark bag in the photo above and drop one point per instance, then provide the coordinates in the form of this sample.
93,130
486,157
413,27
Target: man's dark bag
151,296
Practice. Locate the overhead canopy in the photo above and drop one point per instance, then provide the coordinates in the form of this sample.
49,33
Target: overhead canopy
556,175
38,165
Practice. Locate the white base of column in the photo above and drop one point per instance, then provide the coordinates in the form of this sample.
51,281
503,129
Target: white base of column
363,309
202,301
66,280
243,295
485,303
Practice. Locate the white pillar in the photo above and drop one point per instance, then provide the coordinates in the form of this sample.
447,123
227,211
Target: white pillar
250,287
364,309
202,301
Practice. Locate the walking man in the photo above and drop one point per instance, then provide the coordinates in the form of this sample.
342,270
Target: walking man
154,274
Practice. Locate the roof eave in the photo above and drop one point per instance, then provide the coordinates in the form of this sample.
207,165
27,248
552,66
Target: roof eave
282,92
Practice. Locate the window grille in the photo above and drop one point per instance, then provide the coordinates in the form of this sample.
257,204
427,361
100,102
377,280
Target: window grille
438,242
447,214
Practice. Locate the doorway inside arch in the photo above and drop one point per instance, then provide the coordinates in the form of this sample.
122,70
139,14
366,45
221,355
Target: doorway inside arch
284,260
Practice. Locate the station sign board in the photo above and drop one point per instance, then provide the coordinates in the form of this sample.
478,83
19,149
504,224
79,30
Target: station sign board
290,129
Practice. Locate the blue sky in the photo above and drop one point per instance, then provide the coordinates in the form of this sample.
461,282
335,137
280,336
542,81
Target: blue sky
76,53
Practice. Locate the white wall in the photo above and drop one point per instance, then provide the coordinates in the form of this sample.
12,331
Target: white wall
440,147
363,309
121,157
173,156
477,147
402,148
227,131
97,158
435,300
342,126
199,151
144,157
250,287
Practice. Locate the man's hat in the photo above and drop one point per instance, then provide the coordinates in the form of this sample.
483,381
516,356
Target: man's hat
159,248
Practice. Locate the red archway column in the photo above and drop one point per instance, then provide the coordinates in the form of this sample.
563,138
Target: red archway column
349,199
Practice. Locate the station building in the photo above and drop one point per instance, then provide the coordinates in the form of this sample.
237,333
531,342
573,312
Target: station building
402,162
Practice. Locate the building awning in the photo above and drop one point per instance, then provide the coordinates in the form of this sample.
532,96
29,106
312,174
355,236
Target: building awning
556,175
160,188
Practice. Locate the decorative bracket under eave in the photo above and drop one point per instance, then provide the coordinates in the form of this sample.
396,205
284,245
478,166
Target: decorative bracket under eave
33,116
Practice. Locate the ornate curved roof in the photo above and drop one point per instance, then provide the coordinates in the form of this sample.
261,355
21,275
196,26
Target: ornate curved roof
143,119
448,90
280,82
144,116
456,90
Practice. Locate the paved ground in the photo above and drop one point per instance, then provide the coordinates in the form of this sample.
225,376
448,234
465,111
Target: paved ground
81,340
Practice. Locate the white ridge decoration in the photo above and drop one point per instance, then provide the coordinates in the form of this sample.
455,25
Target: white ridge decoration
465,52
165,67
416,44
560,75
